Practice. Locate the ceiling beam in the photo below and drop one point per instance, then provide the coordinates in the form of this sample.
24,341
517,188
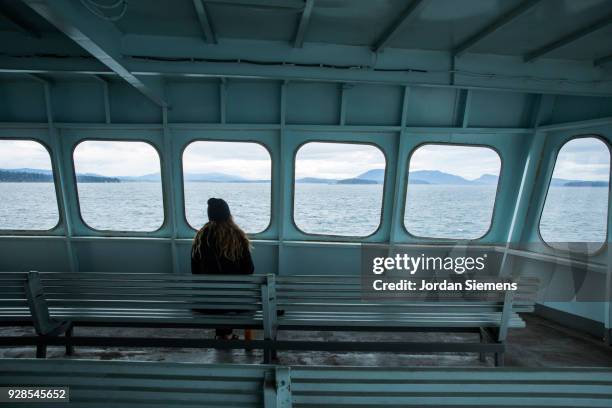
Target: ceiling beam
97,36
298,42
568,38
398,25
550,77
207,29
603,60
498,23
17,22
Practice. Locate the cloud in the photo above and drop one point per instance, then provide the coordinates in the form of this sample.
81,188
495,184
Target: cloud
15,154
112,158
469,162
583,159
246,159
337,160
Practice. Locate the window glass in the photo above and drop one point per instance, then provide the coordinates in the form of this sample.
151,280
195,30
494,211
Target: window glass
238,172
451,191
119,185
338,188
576,207
27,188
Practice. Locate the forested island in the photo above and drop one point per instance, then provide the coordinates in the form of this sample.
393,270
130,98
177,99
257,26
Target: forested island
26,176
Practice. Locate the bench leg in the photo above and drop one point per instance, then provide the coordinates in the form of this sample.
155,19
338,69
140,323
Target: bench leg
267,356
41,351
69,346
481,356
499,359
270,355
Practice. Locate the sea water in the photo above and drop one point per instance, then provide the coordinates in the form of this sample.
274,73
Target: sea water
572,213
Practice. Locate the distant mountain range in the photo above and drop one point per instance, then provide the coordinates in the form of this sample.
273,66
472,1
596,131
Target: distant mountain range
25,175
374,176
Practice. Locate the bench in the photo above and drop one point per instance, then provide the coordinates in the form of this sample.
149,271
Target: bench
146,384
123,384
335,303
129,300
450,387
270,303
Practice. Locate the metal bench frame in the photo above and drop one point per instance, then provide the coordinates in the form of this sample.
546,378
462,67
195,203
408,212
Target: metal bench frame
491,339
139,384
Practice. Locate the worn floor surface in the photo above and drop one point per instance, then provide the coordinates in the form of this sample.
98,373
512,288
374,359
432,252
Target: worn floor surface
542,344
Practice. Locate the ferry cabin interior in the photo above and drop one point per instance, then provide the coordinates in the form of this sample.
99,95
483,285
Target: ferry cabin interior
521,79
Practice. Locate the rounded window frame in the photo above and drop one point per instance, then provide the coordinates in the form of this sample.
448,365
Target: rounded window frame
182,177
347,238
56,187
497,190
111,231
604,244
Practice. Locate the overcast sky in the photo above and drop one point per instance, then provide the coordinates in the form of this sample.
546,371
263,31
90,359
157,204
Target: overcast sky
248,160
337,160
583,159
580,159
467,162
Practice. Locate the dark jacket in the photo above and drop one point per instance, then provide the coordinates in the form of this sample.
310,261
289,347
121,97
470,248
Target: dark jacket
208,261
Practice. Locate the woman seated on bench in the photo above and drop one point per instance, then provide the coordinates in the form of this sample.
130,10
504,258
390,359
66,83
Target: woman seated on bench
221,247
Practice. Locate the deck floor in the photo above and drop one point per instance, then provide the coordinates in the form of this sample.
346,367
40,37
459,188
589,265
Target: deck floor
542,344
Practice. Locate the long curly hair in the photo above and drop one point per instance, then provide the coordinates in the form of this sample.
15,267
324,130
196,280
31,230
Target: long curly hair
231,240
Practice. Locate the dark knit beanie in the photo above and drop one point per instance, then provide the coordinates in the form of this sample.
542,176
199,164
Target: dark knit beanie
218,210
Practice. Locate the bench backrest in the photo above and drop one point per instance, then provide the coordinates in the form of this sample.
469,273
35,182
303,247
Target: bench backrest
142,384
450,387
153,294
343,293
145,384
171,297
13,298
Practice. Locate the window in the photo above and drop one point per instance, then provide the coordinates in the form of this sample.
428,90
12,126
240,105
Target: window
451,191
338,188
576,206
119,185
27,188
238,172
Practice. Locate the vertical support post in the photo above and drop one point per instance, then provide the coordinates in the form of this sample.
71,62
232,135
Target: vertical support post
453,64
167,185
466,109
283,387
399,172
282,174
544,110
343,89
105,95
268,299
58,160
106,102
223,100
